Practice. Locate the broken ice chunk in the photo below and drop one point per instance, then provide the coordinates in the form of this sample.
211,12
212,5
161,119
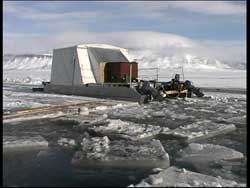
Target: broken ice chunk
117,129
209,152
84,111
100,150
87,121
198,131
101,108
135,111
174,177
66,142
158,114
205,157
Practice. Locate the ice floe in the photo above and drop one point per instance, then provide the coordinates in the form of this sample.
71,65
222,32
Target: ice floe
86,121
135,112
122,153
66,142
176,177
144,112
196,151
209,158
117,129
84,111
101,108
198,130
237,119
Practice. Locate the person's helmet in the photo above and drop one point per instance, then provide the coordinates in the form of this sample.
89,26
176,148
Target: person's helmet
177,77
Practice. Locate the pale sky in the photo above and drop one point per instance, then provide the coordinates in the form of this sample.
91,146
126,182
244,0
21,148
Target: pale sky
208,27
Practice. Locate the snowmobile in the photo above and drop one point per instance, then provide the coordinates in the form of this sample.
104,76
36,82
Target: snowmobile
175,88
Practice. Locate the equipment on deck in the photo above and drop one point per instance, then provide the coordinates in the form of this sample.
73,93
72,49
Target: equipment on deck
173,89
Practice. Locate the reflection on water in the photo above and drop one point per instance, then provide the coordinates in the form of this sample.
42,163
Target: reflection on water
52,168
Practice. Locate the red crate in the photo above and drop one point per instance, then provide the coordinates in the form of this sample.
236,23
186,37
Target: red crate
120,70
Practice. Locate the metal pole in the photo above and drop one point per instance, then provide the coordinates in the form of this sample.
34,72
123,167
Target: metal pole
130,74
74,62
182,72
157,74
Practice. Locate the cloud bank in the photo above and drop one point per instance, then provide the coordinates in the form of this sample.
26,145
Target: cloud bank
156,43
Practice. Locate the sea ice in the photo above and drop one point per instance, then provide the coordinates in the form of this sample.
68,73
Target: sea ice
101,108
175,177
158,114
134,112
67,142
198,130
205,157
117,129
86,121
204,152
84,111
121,153
237,120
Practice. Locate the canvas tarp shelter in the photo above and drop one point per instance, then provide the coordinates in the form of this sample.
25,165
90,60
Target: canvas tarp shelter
82,64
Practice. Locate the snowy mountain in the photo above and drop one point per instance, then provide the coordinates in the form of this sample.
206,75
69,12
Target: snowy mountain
189,62
26,61
146,59
33,69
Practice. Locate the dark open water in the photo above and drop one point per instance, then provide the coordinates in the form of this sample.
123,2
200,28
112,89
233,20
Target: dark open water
53,168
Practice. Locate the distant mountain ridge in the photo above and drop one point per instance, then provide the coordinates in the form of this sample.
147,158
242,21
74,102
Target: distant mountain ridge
27,61
146,60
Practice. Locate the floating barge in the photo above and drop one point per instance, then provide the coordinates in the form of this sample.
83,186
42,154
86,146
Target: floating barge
105,71
112,91
93,70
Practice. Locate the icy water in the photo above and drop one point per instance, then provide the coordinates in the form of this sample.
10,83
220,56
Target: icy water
53,168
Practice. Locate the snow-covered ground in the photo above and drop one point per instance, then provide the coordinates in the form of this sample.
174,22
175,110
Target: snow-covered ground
20,97
201,78
221,78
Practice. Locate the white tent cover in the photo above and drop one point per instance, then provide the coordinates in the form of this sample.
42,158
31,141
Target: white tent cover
79,64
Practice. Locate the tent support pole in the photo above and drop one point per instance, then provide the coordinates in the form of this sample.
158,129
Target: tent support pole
130,74
74,62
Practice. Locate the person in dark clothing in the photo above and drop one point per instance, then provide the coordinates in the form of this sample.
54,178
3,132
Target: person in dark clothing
146,89
175,83
192,89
